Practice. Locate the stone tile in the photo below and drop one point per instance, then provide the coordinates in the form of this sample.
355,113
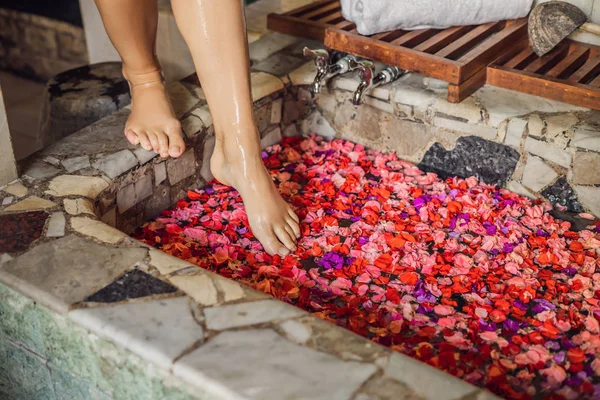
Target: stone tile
67,185
502,104
491,162
419,98
97,229
466,111
535,126
78,206
296,330
116,164
385,388
316,123
464,127
291,131
589,197
204,114
166,263
586,137
228,289
426,381
548,152
181,99
514,132
126,198
56,225
379,104
269,44
24,374
160,173
516,187
160,200
199,287
31,203
279,64
62,272
40,170
7,200
18,231
408,139
237,361
264,84
245,314
110,217
276,109
16,189
272,137
559,128
132,285
159,330
303,75
191,125
143,188
586,168
52,160
74,164
562,193
144,155
537,174
181,167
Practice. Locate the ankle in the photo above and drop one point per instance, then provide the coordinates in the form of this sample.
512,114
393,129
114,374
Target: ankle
142,76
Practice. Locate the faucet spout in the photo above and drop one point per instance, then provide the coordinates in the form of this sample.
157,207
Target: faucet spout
366,70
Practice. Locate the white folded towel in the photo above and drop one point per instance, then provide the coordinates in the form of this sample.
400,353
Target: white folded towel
375,16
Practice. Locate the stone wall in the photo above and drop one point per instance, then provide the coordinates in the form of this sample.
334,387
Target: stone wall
535,147
39,47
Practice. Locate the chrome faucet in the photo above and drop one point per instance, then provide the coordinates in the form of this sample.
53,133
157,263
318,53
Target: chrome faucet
326,69
367,81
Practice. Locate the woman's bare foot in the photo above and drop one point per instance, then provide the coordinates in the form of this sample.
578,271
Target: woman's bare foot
272,220
152,122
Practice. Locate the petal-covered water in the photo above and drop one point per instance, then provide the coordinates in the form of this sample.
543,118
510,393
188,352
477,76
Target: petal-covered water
471,279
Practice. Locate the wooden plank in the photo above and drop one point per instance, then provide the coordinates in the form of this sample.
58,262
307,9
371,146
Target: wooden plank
296,27
586,72
321,12
596,82
345,25
457,93
389,36
442,39
333,18
549,60
570,64
404,58
548,87
413,38
521,60
466,43
301,11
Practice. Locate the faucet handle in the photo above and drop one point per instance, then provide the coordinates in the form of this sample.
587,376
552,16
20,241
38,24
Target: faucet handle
366,71
321,56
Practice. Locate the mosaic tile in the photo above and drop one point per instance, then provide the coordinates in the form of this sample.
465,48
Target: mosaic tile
132,285
166,263
78,206
18,231
7,200
97,229
260,364
16,189
158,330
279,64
40,170
264,84
199,287
74,164
491,162
67,185
560,192
116,164
245,314
31,203
56,225
67,270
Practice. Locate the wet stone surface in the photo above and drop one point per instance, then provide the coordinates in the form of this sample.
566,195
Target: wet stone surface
132,285
562,193
18,231
491,162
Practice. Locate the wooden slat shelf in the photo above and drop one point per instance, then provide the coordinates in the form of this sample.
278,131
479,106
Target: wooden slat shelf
456,55
570,73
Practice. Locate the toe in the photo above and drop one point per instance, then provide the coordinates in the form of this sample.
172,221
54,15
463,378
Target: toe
290,232
144,141
293,215
176,144
131,136
163,142
154,141
294,227
285,238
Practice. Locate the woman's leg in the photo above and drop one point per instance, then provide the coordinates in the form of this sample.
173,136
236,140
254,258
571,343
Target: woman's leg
131,26
215,34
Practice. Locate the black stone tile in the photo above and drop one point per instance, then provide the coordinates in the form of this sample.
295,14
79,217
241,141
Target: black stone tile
492,163
134,284
562,193
18,231
577,223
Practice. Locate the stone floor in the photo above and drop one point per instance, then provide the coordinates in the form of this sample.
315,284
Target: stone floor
63,241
